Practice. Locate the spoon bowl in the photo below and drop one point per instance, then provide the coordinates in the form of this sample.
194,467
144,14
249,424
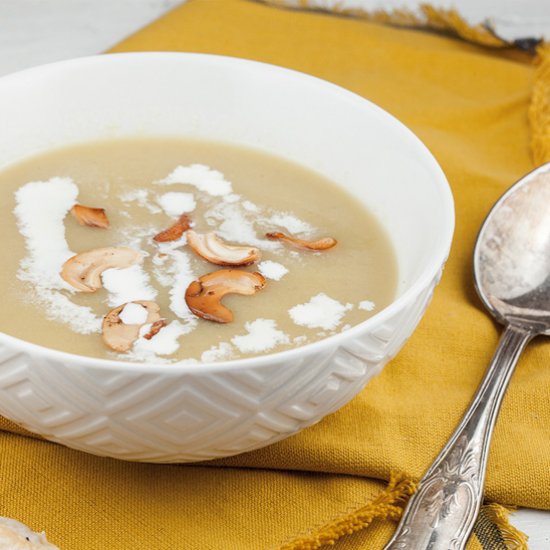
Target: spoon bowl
512,278
512,254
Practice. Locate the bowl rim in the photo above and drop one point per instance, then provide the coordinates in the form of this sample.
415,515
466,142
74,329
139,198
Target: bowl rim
422,281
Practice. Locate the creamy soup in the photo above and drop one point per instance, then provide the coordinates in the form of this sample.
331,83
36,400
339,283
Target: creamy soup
233,195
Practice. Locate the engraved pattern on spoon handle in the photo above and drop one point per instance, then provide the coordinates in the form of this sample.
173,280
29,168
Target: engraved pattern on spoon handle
441,514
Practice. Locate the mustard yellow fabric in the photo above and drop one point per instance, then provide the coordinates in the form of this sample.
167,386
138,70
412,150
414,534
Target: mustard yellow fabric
469,105
539,110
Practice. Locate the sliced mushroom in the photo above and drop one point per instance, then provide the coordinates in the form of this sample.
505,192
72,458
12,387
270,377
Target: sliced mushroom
83,271
155,328
175,231
204,295
120,336
321,244
92,217
212,248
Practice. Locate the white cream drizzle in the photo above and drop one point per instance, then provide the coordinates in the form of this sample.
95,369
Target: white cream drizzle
221,352
263,335
272,270
175,204
200,176
59,307
127,285
133,314
165,342
320,312
291,223
173,270
250,206
366,305
234,225
141,197
41,207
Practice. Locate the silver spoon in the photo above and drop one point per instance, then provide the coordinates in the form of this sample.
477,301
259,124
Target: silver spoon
512,278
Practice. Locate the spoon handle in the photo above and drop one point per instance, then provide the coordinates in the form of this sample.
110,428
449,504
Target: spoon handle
441,514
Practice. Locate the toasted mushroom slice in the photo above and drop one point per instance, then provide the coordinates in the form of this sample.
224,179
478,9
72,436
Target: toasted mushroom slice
204,295
175,231
84,270
210,247
121,336
155,328
321,244
92,217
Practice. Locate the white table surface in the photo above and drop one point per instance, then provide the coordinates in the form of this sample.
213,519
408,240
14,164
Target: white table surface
40,31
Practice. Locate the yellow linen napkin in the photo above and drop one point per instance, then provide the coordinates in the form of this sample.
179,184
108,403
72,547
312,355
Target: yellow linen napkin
469,105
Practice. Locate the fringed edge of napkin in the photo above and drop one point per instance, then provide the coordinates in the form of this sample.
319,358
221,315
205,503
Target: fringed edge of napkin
492,529
388,504
426,17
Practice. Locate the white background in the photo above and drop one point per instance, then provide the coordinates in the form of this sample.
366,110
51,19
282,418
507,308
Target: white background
40,31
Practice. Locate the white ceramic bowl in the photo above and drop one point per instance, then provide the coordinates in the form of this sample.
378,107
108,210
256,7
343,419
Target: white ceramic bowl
163,413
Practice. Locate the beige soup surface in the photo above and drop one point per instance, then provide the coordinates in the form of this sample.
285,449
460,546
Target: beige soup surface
232,195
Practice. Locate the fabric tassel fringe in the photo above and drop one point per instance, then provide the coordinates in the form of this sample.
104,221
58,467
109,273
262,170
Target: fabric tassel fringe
388,505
